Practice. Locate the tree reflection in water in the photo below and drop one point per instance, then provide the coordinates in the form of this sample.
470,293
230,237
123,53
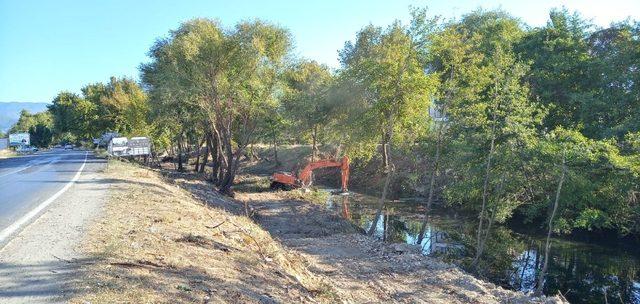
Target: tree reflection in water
582,273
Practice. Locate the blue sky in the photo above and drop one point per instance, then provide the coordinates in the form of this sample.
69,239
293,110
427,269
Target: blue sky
52,45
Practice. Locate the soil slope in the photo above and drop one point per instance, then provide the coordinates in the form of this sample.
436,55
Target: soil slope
171,239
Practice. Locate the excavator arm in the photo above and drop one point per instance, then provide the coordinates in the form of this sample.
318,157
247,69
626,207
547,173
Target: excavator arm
305,173
304,178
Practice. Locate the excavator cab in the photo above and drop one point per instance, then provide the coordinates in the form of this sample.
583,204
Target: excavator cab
291,180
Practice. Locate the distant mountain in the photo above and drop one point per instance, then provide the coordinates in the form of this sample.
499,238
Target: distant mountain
10,112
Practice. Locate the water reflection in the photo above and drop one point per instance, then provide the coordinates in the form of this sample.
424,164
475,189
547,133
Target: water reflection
583,273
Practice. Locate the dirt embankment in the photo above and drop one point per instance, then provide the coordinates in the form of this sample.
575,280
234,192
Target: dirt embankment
172,239
7,154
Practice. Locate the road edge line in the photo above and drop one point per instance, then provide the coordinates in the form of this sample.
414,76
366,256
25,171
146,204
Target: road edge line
11,229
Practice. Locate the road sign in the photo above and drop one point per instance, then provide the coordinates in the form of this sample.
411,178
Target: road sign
19,139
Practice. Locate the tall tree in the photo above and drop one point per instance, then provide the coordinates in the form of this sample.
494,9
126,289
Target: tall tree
120,105
73,115
39,126
490,118
387,68
306,102
559,76
230,76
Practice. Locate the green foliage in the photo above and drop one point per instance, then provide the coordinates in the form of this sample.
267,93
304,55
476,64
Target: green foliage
121,106
41,135
38,125
389,91
601,184
73,115
305,102
587,77
483,65
221,82
517,102
489,115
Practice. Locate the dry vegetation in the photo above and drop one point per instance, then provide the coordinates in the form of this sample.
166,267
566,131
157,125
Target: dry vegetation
172,240
157,244
7,153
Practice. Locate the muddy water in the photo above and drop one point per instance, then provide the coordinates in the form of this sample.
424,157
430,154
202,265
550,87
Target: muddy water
583,273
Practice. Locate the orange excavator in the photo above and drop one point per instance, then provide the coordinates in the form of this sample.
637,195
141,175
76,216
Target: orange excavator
290,180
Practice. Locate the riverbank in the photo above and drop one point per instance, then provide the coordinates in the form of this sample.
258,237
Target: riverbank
170,238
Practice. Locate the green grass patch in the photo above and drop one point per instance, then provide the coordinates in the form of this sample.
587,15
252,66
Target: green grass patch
312,195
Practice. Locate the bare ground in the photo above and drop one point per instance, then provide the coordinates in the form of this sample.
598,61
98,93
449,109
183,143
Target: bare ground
173,240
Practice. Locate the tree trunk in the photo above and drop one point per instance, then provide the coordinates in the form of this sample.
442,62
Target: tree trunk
539,287
230,175
173,152
314,145
275,150
231,160
388,171
432,183
381,203
196,166
385,152
492,213
385,227
212,145
483,240
206,155
180,154
485,195
252,153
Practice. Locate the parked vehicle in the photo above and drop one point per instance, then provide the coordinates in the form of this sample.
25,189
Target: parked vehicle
26,149
118,146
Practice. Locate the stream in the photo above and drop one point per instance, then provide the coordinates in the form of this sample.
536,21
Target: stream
583,273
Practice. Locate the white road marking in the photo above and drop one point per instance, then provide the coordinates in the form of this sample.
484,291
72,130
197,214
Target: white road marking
16,171
47,161
4,234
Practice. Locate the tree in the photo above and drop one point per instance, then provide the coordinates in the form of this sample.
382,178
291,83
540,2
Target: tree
120,105
38,126
614,109
490,117
586,77
72,115
230,76
600,185
455,62
393,93
41,135
306,103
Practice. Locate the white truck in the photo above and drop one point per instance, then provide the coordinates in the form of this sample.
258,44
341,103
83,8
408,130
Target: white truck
139,146
123,147
118,146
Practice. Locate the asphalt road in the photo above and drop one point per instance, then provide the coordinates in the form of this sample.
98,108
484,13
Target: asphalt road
48,202
28,181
